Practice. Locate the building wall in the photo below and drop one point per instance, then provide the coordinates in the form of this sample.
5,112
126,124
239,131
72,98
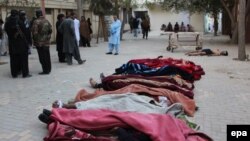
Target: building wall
197,21
159,17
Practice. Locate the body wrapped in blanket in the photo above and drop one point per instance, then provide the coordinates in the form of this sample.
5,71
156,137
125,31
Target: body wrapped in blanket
157,127
173,83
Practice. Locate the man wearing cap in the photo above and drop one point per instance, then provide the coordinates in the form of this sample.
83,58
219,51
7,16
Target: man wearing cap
18,45
41,31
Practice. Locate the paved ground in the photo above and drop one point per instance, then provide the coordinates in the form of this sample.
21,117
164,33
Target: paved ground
222,94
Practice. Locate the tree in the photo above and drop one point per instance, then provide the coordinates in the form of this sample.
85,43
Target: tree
214,6
242,14
102,8
108,7
127,6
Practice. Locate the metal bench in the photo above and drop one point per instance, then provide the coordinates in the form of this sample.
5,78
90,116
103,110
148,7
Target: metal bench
182,39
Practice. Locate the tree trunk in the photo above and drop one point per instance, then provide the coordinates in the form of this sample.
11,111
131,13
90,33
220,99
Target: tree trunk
98,30
104,28
234,30
234,27
122,29
216,24
242,26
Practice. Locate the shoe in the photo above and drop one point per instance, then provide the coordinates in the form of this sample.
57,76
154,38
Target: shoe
116,54
62,61
102,76
43,73
81,62
47,112
14,76
4,54
44,118
27,76
109,53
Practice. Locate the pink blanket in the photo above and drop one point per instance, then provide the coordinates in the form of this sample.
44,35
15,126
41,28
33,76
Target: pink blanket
159,127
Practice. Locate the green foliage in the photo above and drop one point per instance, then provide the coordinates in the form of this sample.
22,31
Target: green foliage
101,7
193,5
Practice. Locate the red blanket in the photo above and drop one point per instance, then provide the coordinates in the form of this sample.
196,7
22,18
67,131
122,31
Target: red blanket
189,66
159,127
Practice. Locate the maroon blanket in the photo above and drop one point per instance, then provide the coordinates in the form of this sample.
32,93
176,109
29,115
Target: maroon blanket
159,127
114,82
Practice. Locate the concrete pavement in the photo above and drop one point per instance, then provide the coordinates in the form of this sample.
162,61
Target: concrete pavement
222,94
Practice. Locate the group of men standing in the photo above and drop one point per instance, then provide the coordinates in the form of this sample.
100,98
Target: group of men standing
68,37
22,34
19,31
136,23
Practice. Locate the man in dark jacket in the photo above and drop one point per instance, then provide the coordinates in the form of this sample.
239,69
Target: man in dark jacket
41,31
70,47
18,35
59,39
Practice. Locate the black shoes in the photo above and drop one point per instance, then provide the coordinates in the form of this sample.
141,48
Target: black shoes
102,76
108,53
27,76
47,112
81,62
43,73
44,117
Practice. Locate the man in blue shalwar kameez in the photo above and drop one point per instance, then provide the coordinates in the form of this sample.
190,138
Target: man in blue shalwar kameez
114,39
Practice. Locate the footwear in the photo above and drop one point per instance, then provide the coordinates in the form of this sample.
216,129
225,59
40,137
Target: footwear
47,112
116,54
81,62
62,61
44,118
4,54
109,53
43,73
102,75
27,76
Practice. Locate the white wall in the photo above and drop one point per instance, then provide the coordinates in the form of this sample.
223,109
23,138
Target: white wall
198,22
159,17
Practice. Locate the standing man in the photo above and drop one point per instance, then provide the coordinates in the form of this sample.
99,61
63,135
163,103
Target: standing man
18,35
77,27
176,27
41,31
135,26
1,36
85,32
70,47
114,39
59,39
145,27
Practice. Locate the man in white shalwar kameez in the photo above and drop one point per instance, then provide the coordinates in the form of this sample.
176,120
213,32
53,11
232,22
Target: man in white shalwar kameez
77,27
114,39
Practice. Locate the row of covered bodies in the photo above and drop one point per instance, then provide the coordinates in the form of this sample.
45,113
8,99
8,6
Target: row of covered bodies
141,101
